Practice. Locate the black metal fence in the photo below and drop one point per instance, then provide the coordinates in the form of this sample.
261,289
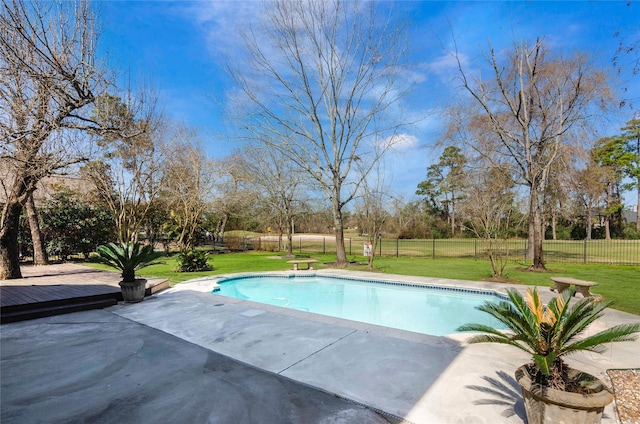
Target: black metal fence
613,252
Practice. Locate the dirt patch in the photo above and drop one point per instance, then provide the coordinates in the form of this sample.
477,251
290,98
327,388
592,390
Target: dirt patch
289,257
502,280
530,269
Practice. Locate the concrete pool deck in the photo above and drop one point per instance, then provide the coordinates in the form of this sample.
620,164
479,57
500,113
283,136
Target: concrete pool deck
419,378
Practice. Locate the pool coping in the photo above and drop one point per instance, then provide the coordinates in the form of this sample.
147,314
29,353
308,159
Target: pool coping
322,344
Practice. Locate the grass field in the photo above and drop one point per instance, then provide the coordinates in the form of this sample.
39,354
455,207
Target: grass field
620,284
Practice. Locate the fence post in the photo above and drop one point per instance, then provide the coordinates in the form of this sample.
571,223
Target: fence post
584,253
475,249
324,245
300,244
433,248
397,247
350,246
524,252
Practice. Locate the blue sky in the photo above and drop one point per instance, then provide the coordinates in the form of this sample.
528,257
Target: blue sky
183,47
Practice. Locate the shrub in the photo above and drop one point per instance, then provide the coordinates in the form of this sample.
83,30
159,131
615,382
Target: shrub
192,260
70,225
630,232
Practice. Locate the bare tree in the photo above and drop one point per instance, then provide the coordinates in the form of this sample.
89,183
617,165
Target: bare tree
372,207
48,78
489,210
188,183
128,174
322,77
279,184
231,195
529,107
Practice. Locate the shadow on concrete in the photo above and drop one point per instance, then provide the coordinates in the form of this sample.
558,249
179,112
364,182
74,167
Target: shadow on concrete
96,367
502,390
505,390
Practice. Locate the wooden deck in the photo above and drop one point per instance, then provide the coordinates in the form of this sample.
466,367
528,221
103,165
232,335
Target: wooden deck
25,295
58,289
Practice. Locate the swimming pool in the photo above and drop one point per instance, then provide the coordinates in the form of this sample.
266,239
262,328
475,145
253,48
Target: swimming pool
431,310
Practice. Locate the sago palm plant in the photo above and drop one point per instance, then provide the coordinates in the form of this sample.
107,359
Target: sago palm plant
127,257
549,332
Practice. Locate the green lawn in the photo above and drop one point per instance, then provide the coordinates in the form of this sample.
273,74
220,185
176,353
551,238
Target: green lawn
618,283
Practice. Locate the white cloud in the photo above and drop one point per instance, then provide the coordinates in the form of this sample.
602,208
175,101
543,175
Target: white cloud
222,20
400,141
446,63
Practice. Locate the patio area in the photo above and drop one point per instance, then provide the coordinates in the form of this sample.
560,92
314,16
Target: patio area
184,355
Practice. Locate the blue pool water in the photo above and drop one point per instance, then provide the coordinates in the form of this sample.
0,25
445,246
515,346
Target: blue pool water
428,310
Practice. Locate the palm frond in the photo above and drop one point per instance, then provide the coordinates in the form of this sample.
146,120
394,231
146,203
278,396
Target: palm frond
548,333
596,342
529,324
578,317
493,336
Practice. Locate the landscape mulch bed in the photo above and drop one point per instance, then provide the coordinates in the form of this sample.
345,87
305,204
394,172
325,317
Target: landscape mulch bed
626,388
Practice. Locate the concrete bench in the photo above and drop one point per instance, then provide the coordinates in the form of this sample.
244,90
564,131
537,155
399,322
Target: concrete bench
297,262
563,283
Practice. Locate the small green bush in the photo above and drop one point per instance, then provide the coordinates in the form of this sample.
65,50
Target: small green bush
630,232
193,260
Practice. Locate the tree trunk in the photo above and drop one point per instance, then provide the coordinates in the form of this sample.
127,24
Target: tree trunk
341,254
9,248
222,223
538,258
453,220
289,225
530,237
39,252
536,235
290,234
589,223
290,245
